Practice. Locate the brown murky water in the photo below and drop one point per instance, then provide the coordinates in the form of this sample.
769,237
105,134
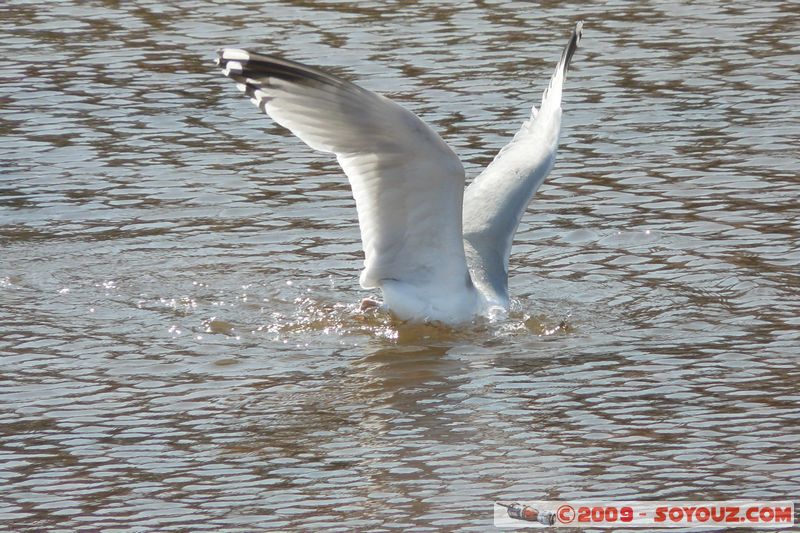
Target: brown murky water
180,344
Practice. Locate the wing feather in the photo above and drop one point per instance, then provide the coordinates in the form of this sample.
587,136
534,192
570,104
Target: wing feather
496,200
407,183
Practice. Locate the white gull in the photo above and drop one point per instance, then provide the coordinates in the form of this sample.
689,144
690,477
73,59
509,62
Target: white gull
438,252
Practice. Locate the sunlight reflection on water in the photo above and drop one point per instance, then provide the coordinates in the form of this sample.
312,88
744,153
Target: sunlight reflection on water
181,339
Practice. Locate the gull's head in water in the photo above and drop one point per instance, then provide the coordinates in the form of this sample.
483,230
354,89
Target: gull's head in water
437,252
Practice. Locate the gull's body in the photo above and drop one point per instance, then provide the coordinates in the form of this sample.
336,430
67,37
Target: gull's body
436,251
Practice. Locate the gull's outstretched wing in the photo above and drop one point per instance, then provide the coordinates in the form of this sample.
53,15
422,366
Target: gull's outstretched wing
407,183
496,200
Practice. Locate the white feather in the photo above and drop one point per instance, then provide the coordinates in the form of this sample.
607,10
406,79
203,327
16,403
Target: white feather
409,185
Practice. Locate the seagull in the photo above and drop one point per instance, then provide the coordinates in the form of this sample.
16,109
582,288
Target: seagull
437,251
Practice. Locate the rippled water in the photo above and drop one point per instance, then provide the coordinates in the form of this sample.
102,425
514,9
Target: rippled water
180,343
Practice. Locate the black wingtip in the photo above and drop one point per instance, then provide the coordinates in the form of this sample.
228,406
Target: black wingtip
572,45
239,63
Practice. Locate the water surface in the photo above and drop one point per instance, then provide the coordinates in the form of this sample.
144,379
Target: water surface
179,332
